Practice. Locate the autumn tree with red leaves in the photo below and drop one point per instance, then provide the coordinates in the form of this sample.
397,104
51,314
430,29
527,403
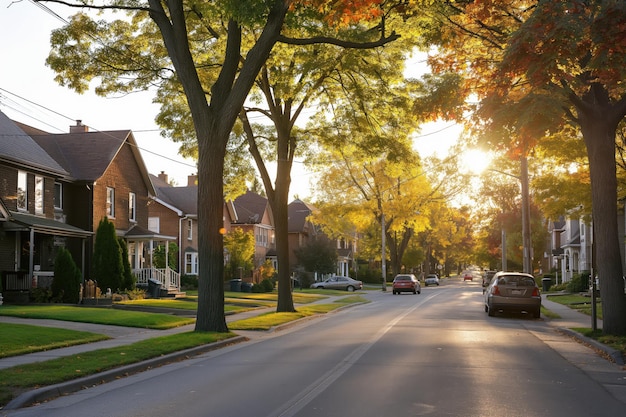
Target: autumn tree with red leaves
541,67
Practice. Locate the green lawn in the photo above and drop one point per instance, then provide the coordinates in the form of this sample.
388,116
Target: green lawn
18,379
28,339
269,320
96,315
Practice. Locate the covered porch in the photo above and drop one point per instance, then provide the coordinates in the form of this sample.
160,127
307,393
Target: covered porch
141,246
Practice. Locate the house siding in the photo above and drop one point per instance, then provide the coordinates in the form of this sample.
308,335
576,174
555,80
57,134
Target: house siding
124,176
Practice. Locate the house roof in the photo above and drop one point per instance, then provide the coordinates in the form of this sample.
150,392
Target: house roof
183,198
249,208
19,221
138,232
298,211
18,147
87,155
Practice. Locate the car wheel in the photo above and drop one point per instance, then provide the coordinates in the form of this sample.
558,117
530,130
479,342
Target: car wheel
490,311
350,288
419,291
486,308
394,293
537,313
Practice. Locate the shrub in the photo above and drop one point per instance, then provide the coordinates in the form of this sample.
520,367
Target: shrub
66,283
41,295
267,285
189,282
579,283
128,278
136,294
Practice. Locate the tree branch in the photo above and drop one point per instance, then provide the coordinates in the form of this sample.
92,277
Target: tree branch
339,42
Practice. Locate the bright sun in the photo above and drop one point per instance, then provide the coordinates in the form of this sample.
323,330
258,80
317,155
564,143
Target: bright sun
476,160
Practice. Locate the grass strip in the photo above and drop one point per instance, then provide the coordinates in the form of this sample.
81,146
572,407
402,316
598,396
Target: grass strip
97,315
578,302
616,342
269,320
18,378
26,338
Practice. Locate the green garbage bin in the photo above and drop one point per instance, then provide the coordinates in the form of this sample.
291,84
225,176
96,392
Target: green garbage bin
154,288
235,285
546,283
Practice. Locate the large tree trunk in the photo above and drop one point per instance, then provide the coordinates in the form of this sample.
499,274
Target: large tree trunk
397,248
598,121
281,218
213,123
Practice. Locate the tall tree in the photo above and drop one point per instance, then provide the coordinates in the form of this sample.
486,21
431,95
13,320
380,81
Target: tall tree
551,64
215,100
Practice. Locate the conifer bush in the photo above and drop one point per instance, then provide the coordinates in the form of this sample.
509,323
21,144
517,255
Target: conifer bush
66,283
107,267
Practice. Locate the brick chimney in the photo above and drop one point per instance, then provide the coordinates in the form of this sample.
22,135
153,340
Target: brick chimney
163,177
192,180
79,128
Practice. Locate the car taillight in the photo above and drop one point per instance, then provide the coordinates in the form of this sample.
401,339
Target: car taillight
536,292
496,290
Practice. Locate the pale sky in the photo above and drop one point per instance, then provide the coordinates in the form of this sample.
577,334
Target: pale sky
29,94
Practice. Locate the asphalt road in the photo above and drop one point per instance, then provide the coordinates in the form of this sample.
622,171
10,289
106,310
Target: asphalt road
435,354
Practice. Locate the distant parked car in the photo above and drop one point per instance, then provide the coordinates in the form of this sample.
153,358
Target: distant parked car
339,283
431,279
468,276
406,283
513,291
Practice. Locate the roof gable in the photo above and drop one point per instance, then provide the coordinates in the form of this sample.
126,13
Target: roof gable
250,208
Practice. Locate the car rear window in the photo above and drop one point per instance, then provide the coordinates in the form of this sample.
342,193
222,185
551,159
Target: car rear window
516,280
403,278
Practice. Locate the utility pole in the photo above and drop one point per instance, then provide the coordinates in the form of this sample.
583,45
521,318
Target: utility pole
382,259
526,237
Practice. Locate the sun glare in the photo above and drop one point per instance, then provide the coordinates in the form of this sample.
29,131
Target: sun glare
476,160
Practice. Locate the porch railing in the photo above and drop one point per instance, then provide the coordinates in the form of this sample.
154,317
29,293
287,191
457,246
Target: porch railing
169,279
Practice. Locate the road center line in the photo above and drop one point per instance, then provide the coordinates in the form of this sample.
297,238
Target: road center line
300,400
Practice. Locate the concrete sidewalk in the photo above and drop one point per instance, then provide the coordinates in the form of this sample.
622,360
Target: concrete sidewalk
119,336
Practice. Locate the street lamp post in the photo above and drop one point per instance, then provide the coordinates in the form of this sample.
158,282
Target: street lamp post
383,263
526,237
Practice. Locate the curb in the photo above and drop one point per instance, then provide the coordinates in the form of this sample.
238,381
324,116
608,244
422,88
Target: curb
53,391
610,354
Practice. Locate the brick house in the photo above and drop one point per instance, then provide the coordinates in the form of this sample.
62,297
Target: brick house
103,175
252,213
33,224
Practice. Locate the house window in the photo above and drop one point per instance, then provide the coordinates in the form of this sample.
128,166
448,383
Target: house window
22,191
191,263
262,237
58,195
154,224
110,202
38,194
189,229
132,206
